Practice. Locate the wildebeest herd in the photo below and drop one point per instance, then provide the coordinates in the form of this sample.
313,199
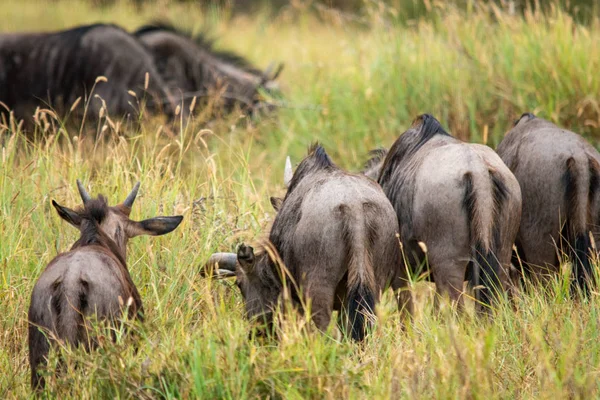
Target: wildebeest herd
105,66
431,206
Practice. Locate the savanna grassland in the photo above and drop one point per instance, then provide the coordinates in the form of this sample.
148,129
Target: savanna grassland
352,84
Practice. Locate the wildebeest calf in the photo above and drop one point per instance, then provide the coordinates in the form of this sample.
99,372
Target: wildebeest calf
91,278
336,234
559,174
461,201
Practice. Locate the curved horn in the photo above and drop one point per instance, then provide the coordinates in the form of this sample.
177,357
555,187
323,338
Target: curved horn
85,196
131,198
287,173
222,264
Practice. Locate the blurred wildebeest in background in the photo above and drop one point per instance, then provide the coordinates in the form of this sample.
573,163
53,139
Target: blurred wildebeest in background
336,234
53,70
192,67
461,201
559,174
91,278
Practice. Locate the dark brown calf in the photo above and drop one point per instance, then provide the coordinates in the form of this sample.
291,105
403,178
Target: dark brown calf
91,278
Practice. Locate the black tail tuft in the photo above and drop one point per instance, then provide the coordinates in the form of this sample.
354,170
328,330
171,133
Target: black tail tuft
583,273
361,304
486,267
575,231
485,276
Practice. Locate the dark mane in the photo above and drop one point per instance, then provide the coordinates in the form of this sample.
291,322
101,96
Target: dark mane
422,130
375,156
316,160
202,40
93,213
527,114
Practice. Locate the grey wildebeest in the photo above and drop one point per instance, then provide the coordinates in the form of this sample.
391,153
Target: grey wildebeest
53,70
559,173
460,200
90,279
335,232
192,67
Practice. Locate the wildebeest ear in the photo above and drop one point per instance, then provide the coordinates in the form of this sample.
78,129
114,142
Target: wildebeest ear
276,202
245,256
67,214
153,226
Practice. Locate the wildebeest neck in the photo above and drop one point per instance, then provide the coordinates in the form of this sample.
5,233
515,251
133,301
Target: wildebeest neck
372,167
316,161
92,215
425,130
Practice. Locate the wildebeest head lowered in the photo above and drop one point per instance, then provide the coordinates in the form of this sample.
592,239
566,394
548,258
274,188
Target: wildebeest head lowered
335,232
460,200
53,70
559,174
91,278
193,68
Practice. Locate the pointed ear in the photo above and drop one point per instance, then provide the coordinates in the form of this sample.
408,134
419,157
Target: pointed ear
153,226
67,214
245,257
276,202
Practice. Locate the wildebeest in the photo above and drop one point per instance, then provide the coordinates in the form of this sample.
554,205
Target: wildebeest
336,234
461,201
373,166
91,278
192,67
53,70
558,172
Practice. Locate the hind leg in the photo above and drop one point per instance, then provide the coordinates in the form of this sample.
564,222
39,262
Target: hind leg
539,254
449,278
404,299
39,347
322,300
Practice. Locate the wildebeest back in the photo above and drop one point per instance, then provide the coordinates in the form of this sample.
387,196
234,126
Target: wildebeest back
51,70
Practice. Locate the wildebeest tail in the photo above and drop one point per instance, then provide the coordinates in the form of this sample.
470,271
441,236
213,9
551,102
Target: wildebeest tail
68,306
581,188
359,236
486,235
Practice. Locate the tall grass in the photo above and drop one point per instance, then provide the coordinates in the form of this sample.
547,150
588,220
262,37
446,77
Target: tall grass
352,89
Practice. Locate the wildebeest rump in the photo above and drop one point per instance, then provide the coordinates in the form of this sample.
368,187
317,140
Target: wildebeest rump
559,175
191,67
52,70
461,201
336,234
91,278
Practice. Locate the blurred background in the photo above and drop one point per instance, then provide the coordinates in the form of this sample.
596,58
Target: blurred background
581,10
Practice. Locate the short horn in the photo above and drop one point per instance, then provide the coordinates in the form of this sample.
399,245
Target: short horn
221,264
269,69
85,196
277,72
131,198
287,173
